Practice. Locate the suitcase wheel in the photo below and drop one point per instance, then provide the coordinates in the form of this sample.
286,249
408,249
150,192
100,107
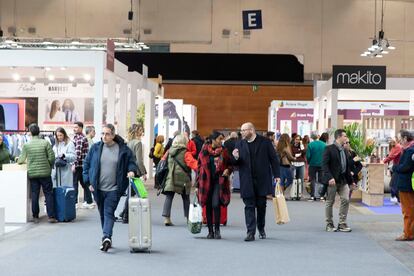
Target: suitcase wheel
225,223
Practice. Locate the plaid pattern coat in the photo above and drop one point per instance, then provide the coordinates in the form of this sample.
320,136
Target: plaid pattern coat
204,175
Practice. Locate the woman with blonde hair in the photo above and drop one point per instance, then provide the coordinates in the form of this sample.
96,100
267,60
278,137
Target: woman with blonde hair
178,179
286,157
64,150
134,143
158,149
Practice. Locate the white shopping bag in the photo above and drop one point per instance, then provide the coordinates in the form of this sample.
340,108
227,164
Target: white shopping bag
195,217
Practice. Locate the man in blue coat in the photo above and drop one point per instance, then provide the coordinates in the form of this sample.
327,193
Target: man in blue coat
258,166
106,170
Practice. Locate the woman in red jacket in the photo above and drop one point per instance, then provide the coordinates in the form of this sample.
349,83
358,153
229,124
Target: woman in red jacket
213,181
393,156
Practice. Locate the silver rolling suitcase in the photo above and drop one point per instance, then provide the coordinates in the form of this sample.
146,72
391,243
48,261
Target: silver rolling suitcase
139,213
296,189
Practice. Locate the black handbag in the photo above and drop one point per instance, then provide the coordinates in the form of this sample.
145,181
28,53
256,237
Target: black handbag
59,162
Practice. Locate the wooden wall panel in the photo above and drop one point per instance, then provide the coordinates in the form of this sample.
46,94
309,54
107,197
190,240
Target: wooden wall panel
228,106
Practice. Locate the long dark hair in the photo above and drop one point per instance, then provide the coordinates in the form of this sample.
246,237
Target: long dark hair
65,135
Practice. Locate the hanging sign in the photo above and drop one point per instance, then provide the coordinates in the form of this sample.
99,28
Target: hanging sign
252,19
358,77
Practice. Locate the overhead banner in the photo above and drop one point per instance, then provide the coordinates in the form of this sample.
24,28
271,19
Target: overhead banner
358,77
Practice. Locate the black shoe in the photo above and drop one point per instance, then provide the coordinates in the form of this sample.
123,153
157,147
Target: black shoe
106,244
217,235
250,237
210,235
262,235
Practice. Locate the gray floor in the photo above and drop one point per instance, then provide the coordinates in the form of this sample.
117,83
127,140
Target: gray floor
300,247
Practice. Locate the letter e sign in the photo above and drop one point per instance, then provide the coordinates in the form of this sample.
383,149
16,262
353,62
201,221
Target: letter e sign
252,20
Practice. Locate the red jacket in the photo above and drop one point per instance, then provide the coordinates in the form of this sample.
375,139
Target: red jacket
191,147
394,155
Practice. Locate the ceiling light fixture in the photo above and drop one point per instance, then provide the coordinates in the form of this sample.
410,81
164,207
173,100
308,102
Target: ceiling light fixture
71,78
16,77
99,44
51,77
381,45
87,77
32,78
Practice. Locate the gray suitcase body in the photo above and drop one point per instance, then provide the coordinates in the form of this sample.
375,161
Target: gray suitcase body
296,189
140,232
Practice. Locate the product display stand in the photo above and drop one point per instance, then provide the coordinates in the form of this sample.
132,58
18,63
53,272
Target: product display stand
15,194
373,185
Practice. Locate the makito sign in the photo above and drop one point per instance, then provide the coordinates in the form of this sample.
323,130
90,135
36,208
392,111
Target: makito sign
359,77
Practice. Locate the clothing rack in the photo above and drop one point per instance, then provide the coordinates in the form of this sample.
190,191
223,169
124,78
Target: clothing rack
25,131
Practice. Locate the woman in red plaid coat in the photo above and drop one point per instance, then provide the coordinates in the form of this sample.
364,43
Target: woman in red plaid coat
213,181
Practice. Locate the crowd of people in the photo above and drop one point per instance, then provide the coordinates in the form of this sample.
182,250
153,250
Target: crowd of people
206,165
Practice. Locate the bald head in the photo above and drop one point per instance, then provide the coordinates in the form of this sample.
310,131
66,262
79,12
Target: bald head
233,135
248,131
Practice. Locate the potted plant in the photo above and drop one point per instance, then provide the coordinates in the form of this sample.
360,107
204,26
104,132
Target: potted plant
357,141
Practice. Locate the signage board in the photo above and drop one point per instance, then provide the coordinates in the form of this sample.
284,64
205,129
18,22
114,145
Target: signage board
252,19
358,77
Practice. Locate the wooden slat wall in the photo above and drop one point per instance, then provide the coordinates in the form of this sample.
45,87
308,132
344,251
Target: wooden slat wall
228,106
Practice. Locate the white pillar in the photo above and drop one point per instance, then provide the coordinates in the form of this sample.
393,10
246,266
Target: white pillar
411,106
110,105
98,99
162,128
149,126
322,105
334,108
134,102
122,125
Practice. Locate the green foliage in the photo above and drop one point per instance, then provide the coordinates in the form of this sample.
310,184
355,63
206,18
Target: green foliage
357,140
141,114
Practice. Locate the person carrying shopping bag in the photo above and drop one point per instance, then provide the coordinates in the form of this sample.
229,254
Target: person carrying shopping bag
213,181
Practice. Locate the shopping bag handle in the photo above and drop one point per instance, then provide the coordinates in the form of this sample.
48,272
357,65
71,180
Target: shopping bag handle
278,190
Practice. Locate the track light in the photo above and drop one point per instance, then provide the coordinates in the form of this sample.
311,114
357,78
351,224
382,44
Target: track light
16,77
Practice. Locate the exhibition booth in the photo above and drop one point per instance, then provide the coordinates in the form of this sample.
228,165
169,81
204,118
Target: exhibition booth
382,112
56,88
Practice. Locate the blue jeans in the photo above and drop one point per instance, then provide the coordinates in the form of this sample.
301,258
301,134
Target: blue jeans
107,203
285,176
47,187
299,172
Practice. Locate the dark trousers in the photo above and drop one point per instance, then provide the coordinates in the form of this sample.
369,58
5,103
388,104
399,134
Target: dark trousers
47,187
393,187
315,174
107,203
77,177
169,196
250,206
213,206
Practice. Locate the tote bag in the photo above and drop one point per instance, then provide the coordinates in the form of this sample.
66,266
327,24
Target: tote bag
280,206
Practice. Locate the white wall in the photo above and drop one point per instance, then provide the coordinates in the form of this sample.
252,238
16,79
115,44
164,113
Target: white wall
326,32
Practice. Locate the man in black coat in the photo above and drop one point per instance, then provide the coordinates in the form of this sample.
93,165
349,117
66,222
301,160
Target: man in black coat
337,175
258,165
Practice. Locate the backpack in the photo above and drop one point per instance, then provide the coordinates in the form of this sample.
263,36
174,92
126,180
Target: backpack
161,172
151,153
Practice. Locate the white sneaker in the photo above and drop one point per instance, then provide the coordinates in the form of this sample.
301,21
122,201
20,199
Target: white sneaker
85,205
394,200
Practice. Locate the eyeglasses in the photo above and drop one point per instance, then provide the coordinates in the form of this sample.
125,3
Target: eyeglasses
244,130
106,134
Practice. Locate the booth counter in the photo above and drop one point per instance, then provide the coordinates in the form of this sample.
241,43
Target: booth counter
373,184
15,194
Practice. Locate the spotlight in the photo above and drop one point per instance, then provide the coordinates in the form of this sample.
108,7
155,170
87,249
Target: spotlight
87,77
48,68
16,77
71,78
32,79
51,77
63,68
